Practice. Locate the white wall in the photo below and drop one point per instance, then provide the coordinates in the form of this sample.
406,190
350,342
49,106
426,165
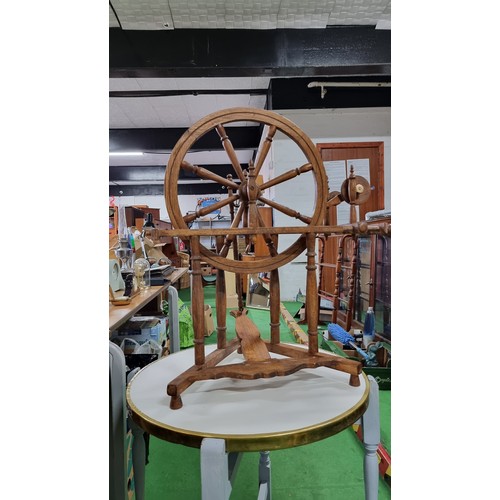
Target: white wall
346,125
187,203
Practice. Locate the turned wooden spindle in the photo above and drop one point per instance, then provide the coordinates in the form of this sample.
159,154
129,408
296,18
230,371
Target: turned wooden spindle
338,275
352,284
197,302
228,147
274,306
312,294
286,176
220,300
266,146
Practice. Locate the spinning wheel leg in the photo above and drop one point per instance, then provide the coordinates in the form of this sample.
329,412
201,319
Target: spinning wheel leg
220,301
175,402
354,381
197,303
312,295
274,306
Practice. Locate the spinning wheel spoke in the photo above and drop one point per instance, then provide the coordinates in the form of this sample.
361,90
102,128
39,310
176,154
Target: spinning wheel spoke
231,237
265,149
267,237
286,176
245,224
206,174
287,211
228,147
200,212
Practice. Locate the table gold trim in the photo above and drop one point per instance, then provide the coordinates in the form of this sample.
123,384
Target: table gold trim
253,442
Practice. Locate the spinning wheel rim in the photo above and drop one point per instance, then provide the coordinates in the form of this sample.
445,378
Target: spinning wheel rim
270,118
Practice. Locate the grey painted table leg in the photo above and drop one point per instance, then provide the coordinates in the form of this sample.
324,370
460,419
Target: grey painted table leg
138,459
218,469
371,439
138,451
173,319
264,476
117,424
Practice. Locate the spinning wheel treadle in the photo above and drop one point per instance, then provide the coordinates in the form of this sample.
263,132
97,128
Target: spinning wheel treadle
246,193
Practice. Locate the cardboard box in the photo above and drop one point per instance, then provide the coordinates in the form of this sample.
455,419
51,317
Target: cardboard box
143,328
208,326
206,270
232,301
209,321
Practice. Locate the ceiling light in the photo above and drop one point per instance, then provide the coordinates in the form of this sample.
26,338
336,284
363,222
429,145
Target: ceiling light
126,153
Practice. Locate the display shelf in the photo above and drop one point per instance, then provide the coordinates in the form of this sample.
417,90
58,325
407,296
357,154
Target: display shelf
118,315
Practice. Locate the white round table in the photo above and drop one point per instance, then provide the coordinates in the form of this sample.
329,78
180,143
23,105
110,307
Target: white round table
250,415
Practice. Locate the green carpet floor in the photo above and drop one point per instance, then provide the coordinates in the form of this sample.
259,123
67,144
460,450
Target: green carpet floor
331,469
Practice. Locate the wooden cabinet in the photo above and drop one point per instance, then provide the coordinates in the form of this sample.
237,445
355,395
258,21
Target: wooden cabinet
135,217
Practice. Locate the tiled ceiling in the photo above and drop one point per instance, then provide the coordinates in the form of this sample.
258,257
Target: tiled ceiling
178,111
246,14
133,104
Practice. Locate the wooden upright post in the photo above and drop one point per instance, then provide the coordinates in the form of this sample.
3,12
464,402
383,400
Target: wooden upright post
312,294
197,302
274,306
220,300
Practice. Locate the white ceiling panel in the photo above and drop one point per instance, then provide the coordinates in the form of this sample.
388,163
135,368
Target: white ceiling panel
230,14
117,117
231,101
304,14
113,22
223,83
198,106
257,101
143,14
359,12
157,83
171,111
124,84
140,112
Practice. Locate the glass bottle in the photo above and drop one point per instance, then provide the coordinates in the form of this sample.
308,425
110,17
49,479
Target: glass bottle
369,327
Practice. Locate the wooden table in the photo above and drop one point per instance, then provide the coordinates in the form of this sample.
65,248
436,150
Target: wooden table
227,416
118,315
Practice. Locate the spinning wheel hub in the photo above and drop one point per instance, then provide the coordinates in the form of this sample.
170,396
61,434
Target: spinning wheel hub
355,190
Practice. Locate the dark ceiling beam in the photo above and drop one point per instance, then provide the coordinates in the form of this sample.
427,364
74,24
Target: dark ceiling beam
195,92
157,172
294,93
157,189
164,139
333,51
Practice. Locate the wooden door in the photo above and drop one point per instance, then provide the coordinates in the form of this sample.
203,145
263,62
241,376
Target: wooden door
374,152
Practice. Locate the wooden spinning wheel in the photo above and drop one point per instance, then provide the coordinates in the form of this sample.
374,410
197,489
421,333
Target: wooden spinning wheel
246,193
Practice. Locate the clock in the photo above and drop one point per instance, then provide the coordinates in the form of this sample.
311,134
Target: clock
115,276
